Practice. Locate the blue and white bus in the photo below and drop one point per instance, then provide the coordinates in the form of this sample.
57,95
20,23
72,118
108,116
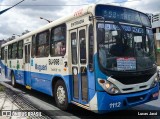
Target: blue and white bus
101,58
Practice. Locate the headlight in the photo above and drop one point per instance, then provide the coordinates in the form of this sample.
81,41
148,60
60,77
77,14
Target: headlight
155,82
108,86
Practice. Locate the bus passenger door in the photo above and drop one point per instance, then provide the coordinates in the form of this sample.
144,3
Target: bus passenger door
79,65
5,62
27,75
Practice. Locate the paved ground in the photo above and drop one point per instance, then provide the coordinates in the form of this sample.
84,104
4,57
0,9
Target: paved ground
45,102
7,104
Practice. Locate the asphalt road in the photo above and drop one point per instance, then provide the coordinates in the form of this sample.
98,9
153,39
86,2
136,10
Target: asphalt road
47,104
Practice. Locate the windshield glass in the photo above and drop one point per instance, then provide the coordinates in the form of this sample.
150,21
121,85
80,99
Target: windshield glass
125,47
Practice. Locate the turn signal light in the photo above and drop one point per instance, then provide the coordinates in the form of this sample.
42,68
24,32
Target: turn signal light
155,95
101,81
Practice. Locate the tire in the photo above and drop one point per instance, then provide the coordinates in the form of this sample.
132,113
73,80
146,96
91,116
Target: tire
60,95
13,81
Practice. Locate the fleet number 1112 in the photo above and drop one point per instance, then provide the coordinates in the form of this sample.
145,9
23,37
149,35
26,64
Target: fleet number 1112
115,105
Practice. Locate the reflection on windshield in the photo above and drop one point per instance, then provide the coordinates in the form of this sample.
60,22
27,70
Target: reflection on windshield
125,47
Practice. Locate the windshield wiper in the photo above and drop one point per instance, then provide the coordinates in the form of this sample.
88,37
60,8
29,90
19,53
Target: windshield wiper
125,36
123,31
144,37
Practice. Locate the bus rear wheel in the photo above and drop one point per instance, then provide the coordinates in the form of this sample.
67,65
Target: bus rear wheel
13,81
60,94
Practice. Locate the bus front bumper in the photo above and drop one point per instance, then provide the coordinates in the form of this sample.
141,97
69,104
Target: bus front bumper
107,103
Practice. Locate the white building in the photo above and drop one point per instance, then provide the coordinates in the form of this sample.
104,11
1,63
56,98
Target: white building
156,30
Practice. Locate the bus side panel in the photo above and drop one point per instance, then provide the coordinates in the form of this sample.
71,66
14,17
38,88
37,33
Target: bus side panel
91,85
98,74
3,67
5,71
17,70
11,68
43,83
69,84
20,71
20,77
107,103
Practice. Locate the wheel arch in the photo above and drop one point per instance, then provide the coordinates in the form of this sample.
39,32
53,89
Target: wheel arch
66,82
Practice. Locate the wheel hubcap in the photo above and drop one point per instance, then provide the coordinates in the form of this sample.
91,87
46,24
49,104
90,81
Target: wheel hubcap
61,94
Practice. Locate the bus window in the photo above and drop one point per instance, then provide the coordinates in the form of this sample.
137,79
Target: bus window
26,55
42,44
58,41
33,51
5,56
10,51
82,46
20,50
2,53
14,51
74,47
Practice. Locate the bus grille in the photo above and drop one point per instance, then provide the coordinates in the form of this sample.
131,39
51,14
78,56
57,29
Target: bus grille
133,80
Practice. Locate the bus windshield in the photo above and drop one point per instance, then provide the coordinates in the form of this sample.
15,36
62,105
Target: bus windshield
125,39
124,47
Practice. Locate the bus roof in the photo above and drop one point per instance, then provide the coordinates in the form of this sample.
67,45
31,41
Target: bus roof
82,11
78,13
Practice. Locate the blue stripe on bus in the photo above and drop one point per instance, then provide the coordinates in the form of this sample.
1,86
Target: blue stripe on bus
4,68
107,103
43,82
40,82
98,74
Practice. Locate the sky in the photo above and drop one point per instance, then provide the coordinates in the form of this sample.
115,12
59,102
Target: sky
26,16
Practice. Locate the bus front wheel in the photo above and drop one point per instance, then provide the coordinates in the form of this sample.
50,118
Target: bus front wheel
60,94
13,81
